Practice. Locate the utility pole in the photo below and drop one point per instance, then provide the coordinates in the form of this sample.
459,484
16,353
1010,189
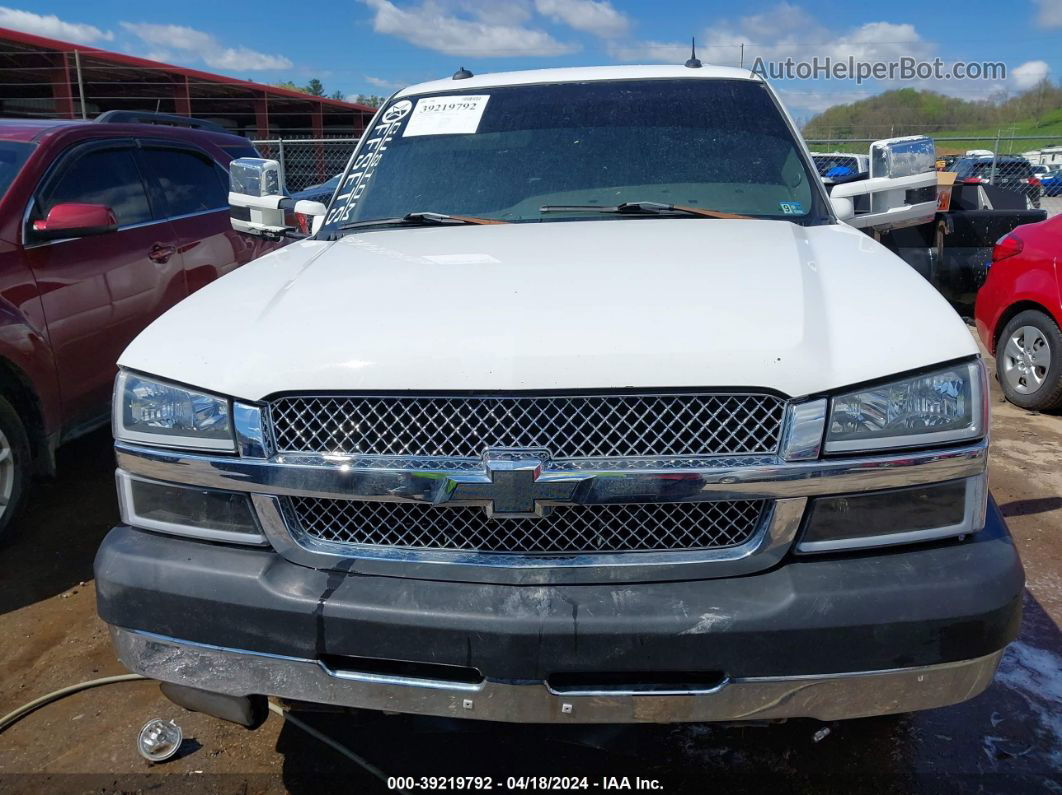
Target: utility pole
741,62
995,156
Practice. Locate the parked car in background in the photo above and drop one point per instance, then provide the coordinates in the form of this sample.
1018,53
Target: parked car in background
945,162
104,226
319,193
1009,172
1019,311
1050,180
841,165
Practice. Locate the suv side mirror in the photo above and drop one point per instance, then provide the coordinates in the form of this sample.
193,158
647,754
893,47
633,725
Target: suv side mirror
73,219
258,203
255,195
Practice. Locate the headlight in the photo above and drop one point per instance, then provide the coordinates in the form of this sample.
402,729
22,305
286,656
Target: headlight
947,405
155,412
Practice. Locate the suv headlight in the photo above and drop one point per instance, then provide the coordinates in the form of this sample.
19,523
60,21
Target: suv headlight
150,411
946,405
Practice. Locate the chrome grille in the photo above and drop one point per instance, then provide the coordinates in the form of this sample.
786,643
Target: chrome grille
588,426
567,529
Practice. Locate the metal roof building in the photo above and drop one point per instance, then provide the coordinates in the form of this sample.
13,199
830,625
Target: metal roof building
47,78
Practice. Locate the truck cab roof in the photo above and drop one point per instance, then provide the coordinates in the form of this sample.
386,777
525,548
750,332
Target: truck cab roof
577,75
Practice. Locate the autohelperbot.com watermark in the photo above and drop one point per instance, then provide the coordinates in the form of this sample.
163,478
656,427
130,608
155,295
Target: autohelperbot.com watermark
903,68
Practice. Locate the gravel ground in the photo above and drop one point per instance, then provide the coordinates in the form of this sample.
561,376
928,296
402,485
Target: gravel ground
1008,739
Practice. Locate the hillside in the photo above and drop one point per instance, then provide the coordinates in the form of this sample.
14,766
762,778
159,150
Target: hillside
1037,112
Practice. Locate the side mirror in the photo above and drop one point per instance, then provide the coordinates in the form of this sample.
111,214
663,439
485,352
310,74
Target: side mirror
309,216
73,219
902,157
843,207
255,196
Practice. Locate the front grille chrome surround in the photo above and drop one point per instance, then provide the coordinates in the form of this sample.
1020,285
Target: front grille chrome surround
565,530
567,427
272,480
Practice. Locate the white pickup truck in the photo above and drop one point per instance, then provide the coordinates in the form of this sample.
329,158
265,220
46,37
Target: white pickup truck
579,404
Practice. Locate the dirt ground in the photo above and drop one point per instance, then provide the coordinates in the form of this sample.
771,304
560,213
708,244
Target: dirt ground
1008,739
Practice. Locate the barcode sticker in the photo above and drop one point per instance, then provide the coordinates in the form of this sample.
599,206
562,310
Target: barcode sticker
446,115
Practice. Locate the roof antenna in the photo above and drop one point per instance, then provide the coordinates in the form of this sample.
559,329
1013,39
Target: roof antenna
694,62
462,74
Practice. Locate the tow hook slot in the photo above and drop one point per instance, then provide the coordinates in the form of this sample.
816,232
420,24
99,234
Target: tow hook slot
406,671
651,683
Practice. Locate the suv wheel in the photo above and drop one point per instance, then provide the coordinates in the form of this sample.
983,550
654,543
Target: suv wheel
14,464
1029,361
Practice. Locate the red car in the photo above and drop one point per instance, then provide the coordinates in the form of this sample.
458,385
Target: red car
1018,313
104,226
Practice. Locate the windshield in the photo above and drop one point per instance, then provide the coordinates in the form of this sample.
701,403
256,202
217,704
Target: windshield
12,155
503,153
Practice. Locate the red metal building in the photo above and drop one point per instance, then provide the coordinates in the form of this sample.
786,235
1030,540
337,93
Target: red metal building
47,78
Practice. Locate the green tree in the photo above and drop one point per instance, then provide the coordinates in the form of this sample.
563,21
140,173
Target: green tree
372,100
910,111
289,86
314,88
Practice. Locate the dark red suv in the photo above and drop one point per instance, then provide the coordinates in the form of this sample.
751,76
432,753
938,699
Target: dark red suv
104,226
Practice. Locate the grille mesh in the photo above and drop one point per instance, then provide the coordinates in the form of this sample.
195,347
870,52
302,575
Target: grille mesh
567,529
601,426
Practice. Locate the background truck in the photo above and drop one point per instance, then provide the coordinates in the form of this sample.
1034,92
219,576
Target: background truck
943,226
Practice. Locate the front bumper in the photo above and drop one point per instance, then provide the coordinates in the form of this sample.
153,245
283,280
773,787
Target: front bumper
826,637
237,672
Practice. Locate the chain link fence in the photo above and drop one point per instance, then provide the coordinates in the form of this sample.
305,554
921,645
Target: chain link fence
309,165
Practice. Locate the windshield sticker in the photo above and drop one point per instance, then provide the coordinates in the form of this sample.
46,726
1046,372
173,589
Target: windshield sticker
791,208
446,115
362,169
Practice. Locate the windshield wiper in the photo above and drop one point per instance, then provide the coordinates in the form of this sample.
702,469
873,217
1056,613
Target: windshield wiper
638,208
422,218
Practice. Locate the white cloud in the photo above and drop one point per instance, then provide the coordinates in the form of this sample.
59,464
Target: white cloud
494,12
783,31
205,47
1049,14
481,30
1029,74
788,31
598,17
51,26
382,83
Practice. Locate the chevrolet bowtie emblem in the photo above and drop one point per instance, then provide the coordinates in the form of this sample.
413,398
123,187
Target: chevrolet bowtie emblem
510,486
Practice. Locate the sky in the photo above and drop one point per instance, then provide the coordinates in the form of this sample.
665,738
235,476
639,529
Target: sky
378,46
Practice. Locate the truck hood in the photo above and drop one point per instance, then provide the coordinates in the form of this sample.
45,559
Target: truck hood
658,302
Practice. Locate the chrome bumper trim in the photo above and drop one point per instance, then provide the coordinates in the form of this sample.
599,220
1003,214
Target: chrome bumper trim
826,697
595,482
